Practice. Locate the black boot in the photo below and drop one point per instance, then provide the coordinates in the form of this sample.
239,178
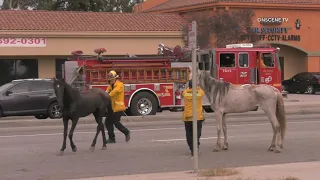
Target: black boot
111,141
128,136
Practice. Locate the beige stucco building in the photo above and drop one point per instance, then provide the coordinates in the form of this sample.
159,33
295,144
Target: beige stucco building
35,43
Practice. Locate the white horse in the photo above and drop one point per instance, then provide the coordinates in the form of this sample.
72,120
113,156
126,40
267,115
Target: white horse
226,98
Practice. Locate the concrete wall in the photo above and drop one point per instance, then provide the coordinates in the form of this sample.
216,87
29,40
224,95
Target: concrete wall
295,61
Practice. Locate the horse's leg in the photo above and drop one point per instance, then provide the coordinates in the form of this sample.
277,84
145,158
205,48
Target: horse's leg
98,116
224,128
65,133
271,113
73,126
93,145
219,127
273,143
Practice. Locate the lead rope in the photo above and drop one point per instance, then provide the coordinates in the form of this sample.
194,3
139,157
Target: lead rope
128,117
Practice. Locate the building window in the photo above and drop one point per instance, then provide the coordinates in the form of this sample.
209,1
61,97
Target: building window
227,60
243,59
59,63
17,69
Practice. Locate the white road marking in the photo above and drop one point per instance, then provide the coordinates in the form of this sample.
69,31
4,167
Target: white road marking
170,140
155,129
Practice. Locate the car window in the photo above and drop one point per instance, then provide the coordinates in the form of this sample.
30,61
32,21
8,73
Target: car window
304,75
298,76
5,86
316,75
40,86
20,88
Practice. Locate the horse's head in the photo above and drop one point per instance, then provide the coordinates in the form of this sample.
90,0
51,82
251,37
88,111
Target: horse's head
202,77
59,90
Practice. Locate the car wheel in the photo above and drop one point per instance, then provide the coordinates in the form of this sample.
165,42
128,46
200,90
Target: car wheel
208,109
1,112
284,88
54,111
310,89
41,116
144,103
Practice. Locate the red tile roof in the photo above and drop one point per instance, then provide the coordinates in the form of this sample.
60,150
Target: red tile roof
11,20
186,3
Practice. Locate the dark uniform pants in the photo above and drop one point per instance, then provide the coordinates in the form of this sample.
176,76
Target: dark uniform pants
113,118
189,133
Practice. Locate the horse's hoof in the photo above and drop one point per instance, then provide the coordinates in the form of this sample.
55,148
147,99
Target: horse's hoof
281,146
216,149
226,146
92,148
271,148
60,153
104,148
277,151
75,149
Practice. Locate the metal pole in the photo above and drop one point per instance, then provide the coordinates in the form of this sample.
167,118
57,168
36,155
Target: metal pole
194,105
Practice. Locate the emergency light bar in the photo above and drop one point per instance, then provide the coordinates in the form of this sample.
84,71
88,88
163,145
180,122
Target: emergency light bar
244,45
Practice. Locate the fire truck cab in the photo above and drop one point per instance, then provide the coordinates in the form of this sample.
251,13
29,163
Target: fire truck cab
242,64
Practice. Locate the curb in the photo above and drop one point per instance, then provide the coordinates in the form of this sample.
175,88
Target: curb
150,119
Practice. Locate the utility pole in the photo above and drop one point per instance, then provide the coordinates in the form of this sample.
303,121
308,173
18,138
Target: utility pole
193,46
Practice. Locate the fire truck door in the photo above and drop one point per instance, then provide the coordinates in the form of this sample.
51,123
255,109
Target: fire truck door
227,71
244,74
266,68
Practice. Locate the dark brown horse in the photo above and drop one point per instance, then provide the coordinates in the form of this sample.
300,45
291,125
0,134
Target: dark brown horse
75,104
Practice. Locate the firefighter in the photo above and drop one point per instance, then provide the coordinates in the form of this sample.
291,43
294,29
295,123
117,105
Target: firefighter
187,114
116,92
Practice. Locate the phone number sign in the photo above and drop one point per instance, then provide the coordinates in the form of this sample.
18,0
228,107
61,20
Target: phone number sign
23,42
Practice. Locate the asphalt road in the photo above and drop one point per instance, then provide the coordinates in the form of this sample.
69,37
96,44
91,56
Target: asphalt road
31,153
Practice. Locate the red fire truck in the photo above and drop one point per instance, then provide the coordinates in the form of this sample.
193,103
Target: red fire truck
153,84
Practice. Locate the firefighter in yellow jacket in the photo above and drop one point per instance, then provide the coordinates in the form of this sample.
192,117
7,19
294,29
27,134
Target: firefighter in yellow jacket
116,92
187,114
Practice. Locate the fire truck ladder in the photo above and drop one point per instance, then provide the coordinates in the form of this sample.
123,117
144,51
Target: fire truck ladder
78,81
140,75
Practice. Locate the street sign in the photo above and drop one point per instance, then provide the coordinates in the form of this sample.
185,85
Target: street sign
192,35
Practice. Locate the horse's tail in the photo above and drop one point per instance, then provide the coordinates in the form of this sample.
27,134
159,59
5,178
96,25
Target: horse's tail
281,115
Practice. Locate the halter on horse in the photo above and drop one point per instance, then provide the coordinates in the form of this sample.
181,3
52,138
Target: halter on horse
226,98
75,104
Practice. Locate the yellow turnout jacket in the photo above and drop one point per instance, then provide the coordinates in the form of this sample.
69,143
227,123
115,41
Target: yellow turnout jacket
117,96
187,96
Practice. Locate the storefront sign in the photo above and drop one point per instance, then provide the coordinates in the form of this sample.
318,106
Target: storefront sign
272,20
275,34
284,37
23,42
277,30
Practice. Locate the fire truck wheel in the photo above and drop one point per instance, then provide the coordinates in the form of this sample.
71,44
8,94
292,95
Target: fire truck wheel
144,103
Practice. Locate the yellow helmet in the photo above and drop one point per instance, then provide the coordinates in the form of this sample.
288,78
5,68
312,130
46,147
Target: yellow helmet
112,75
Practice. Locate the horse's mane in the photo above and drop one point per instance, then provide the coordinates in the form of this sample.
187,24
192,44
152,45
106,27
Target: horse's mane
71,92
221,88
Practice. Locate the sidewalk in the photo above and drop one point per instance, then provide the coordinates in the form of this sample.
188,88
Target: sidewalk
301,171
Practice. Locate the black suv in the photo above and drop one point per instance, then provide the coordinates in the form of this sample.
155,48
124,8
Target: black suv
29,97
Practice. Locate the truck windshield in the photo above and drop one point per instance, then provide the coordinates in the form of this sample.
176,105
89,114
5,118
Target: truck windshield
5,86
